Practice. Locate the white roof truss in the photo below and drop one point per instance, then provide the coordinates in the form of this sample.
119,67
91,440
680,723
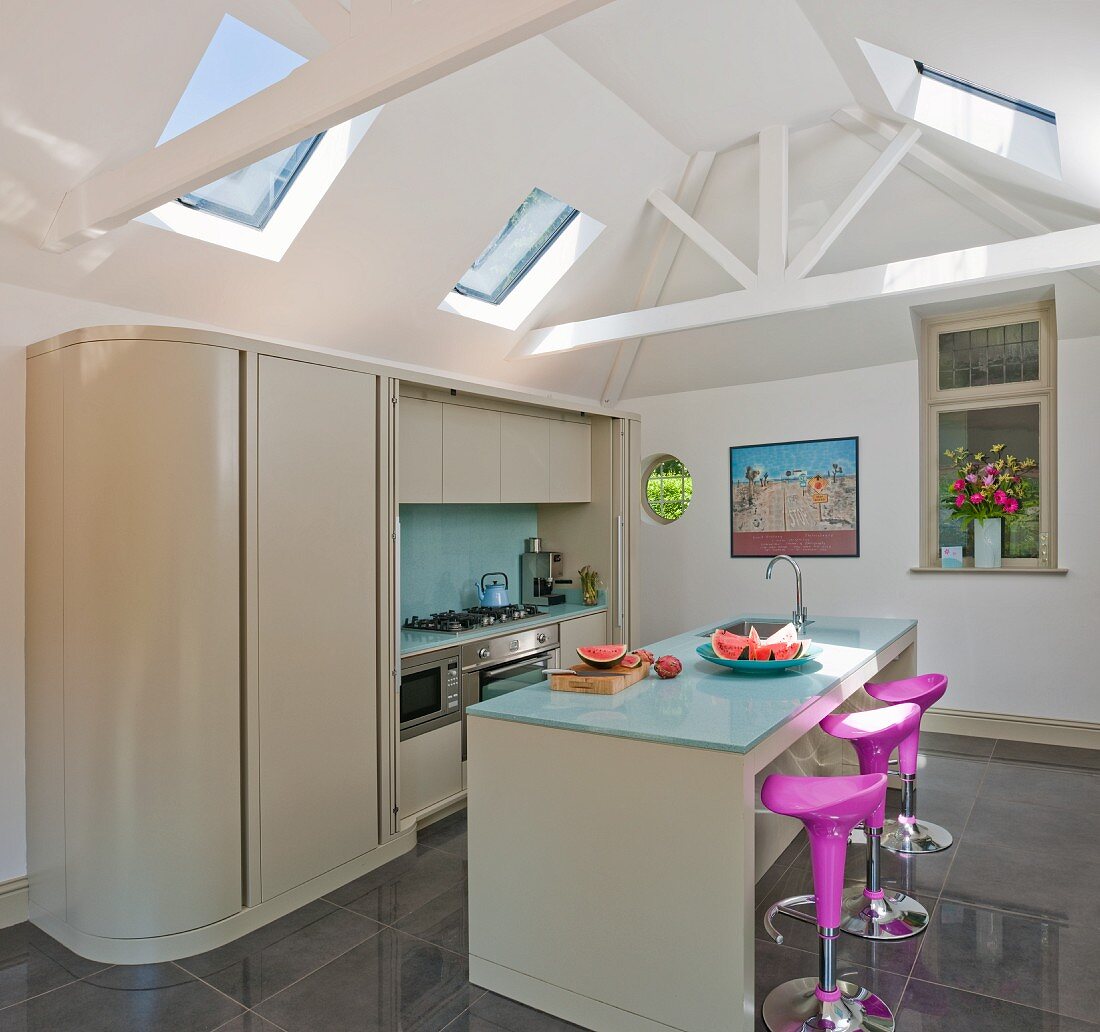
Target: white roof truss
329,17
664,254
1041,254
953,182
415,44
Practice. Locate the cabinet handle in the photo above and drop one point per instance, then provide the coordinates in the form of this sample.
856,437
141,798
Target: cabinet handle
620,531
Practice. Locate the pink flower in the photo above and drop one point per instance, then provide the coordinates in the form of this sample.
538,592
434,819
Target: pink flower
960,501
1000,497
988,481
1013,505
959,485
990,471
1015,480
971,478
976,498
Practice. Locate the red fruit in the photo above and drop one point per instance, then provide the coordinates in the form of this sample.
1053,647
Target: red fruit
645,655
602,656
630,661
668,666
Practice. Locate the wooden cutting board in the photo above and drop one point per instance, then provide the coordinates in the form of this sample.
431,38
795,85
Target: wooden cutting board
598,682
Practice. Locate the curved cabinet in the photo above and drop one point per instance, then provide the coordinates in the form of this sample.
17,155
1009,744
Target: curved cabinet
134,739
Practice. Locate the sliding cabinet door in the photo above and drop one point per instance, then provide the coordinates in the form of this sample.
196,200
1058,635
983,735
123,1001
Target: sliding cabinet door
317,629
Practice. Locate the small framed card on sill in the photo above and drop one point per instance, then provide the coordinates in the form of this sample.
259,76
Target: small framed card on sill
951,557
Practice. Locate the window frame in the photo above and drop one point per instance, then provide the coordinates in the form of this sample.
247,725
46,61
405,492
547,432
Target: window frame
936,400
650,469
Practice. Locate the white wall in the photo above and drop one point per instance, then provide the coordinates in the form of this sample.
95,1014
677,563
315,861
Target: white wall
1017,644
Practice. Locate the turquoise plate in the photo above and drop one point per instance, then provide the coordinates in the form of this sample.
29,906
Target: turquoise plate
757,666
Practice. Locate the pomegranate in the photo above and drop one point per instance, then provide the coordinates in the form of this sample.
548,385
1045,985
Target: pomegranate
668,666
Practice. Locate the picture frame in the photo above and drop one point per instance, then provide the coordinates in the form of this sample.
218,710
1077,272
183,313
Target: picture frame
797,498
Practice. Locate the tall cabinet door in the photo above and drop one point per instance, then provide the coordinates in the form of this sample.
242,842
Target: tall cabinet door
152,642
317,584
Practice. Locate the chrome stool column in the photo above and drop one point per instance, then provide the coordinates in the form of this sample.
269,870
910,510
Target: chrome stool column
829,808
907,834
872,912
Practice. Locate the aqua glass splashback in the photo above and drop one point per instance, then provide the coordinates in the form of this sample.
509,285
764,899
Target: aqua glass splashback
445,548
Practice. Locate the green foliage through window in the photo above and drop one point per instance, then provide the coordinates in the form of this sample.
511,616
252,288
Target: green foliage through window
668,489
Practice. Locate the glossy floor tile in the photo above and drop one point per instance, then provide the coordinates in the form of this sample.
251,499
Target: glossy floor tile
392,981
260,964
1010,944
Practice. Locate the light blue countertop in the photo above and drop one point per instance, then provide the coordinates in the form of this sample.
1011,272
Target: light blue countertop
413,643
707,706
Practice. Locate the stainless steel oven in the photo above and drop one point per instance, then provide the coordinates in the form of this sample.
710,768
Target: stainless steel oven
495,666
430,694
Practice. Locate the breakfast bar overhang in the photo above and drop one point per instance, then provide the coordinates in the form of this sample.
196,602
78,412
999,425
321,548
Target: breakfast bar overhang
615,841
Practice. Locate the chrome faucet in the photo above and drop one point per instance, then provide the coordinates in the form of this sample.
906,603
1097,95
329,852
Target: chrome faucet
800,618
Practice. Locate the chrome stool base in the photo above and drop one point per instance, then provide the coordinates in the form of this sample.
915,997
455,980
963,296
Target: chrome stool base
794,1007
895,916
918,837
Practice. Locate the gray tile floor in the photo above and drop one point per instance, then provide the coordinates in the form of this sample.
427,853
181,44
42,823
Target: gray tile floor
1014,941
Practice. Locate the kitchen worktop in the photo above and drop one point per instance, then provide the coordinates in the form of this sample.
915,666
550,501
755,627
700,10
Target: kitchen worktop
415,643
707,706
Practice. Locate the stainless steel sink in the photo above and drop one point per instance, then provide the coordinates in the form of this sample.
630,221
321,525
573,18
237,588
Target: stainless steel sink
765,628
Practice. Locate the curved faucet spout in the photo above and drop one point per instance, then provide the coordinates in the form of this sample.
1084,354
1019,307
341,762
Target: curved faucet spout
799,617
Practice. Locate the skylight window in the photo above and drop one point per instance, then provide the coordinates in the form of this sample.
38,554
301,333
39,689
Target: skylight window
533,227
1015,104
539,243
262,207
251,194
1015,129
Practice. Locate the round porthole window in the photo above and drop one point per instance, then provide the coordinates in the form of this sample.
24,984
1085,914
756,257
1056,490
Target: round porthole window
667,488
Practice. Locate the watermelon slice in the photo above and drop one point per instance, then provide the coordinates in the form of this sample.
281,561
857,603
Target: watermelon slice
782,645
602,656
630,661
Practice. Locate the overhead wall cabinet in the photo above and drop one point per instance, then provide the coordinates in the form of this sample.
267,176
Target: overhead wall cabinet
459,453
203,639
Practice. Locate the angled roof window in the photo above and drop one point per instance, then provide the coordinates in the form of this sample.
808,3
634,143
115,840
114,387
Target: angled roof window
238,63
532,228
996,122
261,208
1022,106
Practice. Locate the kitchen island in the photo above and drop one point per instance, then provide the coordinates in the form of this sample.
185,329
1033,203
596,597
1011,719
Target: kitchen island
615,841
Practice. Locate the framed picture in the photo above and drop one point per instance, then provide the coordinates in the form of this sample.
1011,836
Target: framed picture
800,498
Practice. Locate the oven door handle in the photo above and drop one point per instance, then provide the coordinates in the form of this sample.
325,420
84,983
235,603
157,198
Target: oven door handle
538,657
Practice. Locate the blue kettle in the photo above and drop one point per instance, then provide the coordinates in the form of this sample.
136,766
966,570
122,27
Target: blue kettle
493,594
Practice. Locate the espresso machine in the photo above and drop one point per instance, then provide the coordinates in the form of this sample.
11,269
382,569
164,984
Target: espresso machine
540,575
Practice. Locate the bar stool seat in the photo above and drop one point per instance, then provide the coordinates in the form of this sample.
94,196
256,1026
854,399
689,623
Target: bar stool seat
907,834
829,808
871,912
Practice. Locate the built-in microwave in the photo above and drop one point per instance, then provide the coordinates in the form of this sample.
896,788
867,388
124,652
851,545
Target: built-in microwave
431,694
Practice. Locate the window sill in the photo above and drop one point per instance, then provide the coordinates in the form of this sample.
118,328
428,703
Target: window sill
1055,571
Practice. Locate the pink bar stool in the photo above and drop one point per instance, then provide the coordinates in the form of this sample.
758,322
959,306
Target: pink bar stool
907,834
871,913
830,808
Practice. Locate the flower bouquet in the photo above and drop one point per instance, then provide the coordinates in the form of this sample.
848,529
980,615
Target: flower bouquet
987,490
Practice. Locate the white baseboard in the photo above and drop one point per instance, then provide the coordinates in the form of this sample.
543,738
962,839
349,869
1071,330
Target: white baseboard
1039,730
13,901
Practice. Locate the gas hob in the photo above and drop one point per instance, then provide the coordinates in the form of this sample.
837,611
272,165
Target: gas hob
456,621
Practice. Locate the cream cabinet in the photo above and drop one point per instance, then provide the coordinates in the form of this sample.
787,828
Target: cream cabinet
133,637
570,461
524,458
581,630
317,686
421,450
471,454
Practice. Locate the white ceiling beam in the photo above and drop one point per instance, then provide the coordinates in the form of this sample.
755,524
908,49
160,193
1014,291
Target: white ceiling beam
329,17
860,194
771,265
1064,250
415,45
953,182
664,254
710,245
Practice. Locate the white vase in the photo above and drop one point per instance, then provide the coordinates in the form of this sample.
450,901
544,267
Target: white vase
987,544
